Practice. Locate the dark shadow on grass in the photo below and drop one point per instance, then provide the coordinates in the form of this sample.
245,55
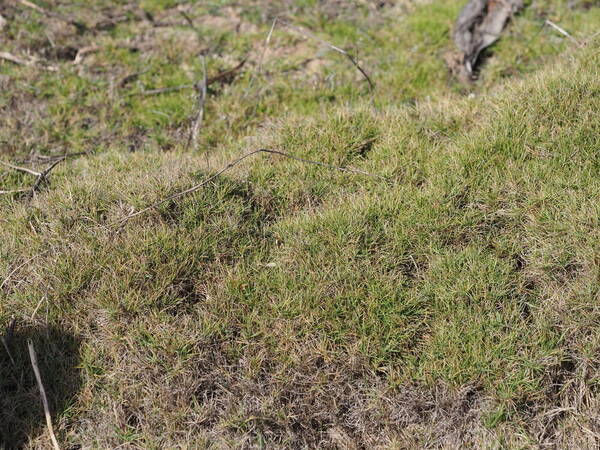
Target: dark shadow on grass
482,61
21,411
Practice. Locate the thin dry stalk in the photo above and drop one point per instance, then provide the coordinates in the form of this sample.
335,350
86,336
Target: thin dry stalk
189,20
14,59
266,46
201,87
592,37
81,27
40,176
34,7
308,34
44,175
5,344
21,169
37,307
167,89
85,51
563,32
47,159
22,62
6,339
235,163
129,78
260,60
38,377
13,191
222,76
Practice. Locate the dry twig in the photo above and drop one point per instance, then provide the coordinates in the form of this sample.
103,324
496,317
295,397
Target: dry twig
13,59
85,51
188,19
201,88
266,46
235,163
14,191
6,339
129,78
260,60
166,90
23,62
308,34
220,77
20,169
40,176
47,159
563,32
591,38
81,27
38,307
44,174
38,377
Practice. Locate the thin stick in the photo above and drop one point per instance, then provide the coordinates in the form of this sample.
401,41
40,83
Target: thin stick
200,86
34,6
333,47
265,47
41,176
235,163
44,175
188,19
80,26
46,159
38,377
130,77
590,38
226,74
318,163
52,166
218,77
260,60
37,307
22,62
167,89
85,51
5,344
563,32
14,191
20,169
6,339
14,59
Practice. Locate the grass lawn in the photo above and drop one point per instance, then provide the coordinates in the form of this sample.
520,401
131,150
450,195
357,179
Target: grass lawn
451,301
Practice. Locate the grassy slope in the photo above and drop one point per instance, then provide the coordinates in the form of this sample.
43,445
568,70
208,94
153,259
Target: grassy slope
287,304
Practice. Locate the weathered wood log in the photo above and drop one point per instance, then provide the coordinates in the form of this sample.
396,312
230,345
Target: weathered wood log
478,26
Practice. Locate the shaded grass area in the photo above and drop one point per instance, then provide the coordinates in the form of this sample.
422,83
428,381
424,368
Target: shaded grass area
59,350
286,305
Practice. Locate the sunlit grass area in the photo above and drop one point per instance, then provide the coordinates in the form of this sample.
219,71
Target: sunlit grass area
446,297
